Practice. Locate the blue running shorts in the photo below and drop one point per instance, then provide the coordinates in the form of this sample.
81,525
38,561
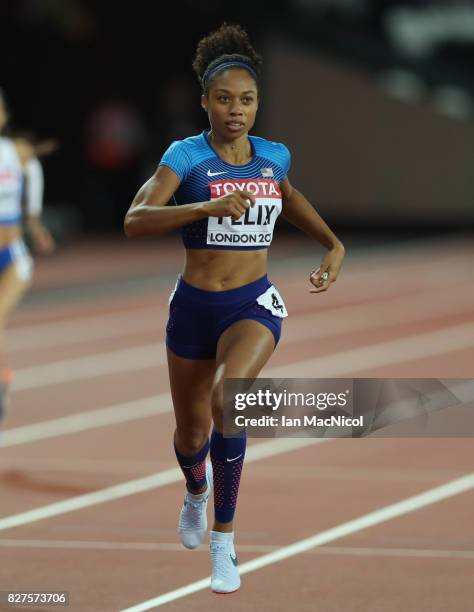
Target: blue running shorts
197,318
16,253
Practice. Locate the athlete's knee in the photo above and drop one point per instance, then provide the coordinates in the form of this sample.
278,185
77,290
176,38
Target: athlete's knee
189,441
217,399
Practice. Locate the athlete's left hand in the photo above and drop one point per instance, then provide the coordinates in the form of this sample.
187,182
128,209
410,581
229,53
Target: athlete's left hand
328,271
43,242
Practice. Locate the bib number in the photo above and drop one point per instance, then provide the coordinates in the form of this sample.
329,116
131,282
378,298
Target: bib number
272,301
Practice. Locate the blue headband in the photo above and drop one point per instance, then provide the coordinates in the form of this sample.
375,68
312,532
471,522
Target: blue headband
210,72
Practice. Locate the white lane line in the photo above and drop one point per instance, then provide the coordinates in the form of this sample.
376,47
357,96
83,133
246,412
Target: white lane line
110,325
92,419
100,545
376,355
139,485
90,366
424,276
410,504
81,329
377,313
349,551
426,553
342,320
416,346
112,466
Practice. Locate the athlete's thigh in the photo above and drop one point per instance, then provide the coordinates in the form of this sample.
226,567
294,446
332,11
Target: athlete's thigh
12,288
243,349
191,386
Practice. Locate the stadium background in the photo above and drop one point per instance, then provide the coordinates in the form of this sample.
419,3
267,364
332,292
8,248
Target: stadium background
374,99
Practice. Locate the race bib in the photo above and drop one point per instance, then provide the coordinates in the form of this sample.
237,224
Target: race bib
273,302
255,227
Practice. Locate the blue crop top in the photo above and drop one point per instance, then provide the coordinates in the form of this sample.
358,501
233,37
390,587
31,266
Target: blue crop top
205,176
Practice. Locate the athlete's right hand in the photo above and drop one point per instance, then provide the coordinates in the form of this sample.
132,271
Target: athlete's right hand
231,205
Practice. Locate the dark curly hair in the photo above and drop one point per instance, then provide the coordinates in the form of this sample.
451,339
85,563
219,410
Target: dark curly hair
228,43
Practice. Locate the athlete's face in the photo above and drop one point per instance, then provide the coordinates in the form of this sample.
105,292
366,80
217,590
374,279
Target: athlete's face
231,103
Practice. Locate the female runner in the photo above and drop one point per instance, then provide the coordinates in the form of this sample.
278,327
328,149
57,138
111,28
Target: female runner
225,315
20,173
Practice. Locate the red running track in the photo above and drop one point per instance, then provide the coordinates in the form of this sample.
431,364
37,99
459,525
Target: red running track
91,410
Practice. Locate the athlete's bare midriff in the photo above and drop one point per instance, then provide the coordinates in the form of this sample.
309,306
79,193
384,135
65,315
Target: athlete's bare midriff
216,270
8,234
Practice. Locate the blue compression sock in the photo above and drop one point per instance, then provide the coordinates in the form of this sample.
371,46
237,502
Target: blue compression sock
194,467
227,456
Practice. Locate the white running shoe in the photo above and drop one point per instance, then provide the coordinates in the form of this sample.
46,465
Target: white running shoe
225,576
193,517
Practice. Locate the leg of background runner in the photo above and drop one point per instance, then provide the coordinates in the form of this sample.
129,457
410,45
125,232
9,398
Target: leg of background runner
12,288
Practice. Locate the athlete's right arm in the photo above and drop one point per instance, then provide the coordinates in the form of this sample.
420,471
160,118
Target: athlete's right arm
149,214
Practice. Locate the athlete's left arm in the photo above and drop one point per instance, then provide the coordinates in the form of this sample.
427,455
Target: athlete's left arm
42,240
27,152
300,213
